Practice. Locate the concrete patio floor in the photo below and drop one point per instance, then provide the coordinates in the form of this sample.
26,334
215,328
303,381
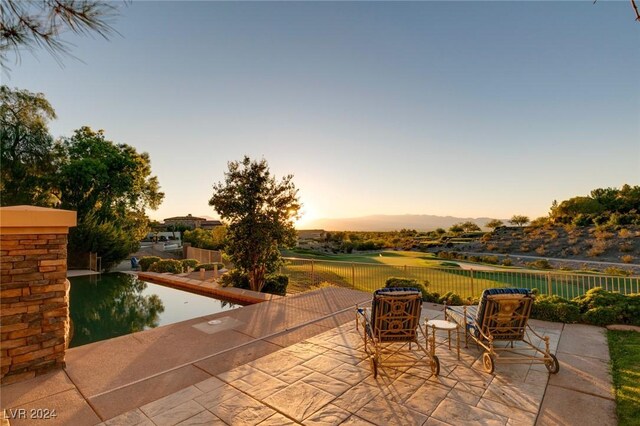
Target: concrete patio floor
300,360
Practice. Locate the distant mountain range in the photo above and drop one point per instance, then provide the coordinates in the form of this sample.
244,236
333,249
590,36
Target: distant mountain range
419,222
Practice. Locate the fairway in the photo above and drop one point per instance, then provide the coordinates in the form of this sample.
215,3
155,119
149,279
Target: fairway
368,272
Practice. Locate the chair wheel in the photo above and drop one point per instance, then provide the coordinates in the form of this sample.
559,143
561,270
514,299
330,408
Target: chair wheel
553,365
435,365
488,362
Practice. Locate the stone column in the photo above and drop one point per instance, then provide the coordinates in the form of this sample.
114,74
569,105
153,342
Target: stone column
34,290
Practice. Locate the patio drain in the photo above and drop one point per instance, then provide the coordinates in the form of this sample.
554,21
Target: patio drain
217,325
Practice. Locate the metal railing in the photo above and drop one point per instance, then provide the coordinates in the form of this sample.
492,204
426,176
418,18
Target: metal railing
305,273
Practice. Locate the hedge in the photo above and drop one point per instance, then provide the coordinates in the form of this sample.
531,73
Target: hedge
146,261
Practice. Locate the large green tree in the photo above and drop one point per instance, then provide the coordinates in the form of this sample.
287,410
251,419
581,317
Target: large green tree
28,153
259,211
110,186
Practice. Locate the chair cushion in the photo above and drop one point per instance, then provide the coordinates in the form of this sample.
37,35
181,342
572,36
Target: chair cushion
456,314
492,291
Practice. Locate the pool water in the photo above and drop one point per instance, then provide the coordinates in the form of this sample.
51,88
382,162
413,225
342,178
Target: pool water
111,305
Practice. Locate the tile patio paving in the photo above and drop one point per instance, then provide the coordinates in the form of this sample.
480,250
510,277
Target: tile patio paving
325,379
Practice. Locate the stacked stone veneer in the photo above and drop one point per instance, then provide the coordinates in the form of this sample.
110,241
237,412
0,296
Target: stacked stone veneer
34,300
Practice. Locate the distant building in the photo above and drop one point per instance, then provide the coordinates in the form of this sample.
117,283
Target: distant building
192,222
210,224
189,221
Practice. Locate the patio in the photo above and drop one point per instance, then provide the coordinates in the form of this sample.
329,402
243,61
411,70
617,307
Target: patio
299,359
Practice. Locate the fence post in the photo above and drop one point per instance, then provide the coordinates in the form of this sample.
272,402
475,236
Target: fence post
473,289
313,276
549,290
353,275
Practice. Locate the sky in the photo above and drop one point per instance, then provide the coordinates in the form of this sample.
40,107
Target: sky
470,109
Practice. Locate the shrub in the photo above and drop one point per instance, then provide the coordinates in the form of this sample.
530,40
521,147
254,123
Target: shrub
603,315
626,247
235,278
406,282
582,220
612,270
507,261
274,284
167,265
601,307
210,266
541,250
189,263
147,261
598,297
451,299
624,233
632,314
555,308
490,259
540,264
627,258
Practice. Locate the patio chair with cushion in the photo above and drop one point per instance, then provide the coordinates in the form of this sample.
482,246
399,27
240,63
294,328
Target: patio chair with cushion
500,318
390,329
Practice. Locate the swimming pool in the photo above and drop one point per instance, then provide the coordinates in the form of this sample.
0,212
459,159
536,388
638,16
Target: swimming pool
111,305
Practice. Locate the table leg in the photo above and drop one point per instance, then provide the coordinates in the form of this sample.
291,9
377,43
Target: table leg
449,332
458,342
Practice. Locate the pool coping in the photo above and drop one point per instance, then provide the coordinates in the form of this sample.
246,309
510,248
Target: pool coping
208,287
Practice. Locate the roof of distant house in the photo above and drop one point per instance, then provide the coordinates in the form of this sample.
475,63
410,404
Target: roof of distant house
187,217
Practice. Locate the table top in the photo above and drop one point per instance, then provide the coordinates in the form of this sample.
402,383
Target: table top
441,324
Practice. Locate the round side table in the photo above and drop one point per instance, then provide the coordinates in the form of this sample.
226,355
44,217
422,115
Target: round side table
447,326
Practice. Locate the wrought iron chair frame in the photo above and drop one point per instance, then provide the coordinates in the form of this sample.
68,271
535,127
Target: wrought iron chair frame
505,319
395,326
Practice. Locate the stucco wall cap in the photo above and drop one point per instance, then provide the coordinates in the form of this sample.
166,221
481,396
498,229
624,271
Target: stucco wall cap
36,217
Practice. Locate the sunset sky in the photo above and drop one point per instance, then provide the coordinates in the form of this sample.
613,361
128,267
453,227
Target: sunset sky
448,108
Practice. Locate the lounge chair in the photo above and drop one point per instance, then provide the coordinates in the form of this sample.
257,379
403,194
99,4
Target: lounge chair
391,326
502,316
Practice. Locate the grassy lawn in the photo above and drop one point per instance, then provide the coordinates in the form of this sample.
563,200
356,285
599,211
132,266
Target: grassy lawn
369,271
624,347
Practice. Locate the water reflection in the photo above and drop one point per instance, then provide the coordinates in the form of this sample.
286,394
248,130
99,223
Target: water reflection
110,306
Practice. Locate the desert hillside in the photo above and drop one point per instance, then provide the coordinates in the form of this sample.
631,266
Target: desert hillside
589,243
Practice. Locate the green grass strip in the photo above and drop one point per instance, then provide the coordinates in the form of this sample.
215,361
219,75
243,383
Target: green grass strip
624,347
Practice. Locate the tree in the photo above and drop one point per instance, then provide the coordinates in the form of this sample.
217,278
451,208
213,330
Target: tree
519,220
205,239
494,223
28,25
456,229
110,186
469,226
28,153
259,211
